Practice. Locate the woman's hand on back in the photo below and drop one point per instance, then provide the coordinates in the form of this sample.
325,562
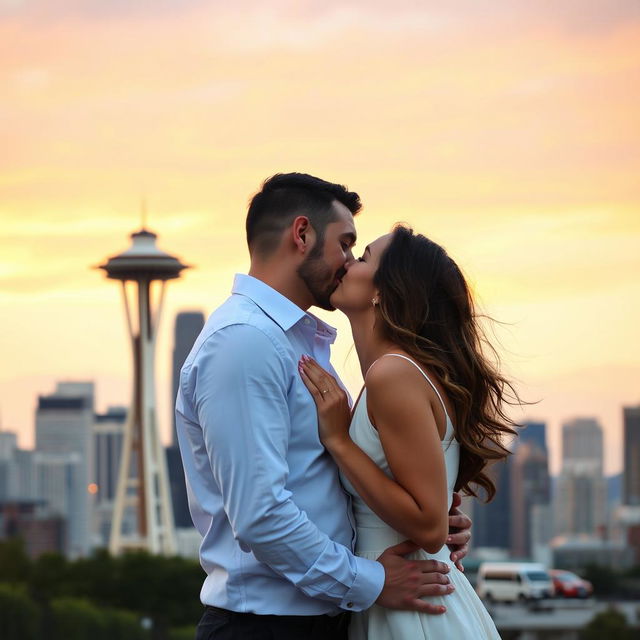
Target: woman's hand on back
334,414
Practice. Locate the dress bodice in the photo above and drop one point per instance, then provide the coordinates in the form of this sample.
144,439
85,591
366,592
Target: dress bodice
465,615
371,529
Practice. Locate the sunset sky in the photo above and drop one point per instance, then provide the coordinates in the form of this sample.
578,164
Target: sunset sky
507,131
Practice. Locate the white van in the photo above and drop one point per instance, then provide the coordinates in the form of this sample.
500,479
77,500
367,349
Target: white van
513,581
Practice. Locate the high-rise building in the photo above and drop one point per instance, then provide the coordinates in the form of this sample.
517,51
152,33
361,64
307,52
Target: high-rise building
582,444
64,425
530,499
29,520
518,518
61,485
108,435
534,431
631,481
178,488
17,479
8,446
64,419
108,431
580,501
8,443
25,475
187,327
492,521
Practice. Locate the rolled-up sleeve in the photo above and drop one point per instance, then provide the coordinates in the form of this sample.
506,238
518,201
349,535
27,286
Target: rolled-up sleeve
241,379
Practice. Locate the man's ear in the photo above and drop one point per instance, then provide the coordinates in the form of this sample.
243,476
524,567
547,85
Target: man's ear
303,234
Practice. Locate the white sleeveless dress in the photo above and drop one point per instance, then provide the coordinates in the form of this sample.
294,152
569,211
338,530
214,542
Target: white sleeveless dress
466,617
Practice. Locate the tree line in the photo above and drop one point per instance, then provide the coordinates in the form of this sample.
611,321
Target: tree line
139,596
136,596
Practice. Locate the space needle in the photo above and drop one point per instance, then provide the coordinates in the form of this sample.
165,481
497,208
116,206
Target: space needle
143,514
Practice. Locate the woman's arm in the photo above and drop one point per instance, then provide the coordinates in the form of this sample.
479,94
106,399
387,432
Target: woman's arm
399,403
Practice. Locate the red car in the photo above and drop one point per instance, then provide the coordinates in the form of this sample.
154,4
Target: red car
569,585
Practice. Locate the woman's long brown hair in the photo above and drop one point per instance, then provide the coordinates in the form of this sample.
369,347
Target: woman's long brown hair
427,309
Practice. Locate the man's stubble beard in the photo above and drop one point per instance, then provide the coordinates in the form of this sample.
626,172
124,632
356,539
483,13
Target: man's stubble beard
316,273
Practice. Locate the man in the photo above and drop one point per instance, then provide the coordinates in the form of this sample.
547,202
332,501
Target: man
276,524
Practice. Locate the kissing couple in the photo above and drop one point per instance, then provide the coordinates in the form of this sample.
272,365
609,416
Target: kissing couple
321,519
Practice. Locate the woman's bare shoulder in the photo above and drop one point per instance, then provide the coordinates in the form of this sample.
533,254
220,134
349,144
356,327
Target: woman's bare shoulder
391,373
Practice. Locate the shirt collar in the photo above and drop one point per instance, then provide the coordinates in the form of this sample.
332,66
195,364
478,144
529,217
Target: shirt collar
279,308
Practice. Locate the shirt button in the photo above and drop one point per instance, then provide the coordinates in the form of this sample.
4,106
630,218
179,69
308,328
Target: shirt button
307,321
349,605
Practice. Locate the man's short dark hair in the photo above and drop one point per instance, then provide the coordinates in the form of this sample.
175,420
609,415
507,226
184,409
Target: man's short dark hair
287,195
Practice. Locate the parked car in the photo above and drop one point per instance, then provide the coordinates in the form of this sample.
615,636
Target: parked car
569,585
513,582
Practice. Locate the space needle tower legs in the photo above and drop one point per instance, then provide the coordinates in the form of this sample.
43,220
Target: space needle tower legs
143,515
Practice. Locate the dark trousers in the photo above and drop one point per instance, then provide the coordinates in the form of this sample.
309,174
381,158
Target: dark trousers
220,624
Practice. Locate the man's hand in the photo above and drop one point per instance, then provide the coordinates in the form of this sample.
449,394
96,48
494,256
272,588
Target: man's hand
406,581
459,532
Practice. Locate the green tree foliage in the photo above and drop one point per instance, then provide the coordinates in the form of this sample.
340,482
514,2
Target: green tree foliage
79,619
15,565
606,581
182,633
76,619
162,589
96,578
165,589
19,617
50,577
123,625
608,624
105,594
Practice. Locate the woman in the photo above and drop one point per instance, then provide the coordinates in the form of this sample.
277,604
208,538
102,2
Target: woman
421,354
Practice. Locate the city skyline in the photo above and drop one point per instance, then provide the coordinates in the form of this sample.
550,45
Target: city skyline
165,402
506,132
520,521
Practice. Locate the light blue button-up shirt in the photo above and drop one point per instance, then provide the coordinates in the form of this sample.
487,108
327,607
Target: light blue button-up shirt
265,495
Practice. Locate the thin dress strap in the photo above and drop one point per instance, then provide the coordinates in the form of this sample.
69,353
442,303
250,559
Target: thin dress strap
428,379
